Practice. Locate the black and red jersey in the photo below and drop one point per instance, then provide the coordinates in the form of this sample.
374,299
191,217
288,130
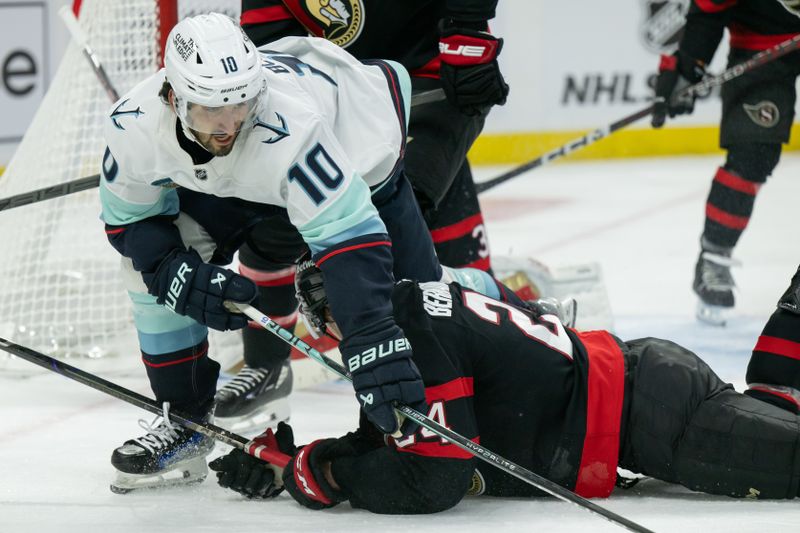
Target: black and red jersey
405,31
753,25
547,398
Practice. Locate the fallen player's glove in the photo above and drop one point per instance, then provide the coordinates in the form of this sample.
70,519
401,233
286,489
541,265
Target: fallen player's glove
190,287
469,72
675,73
305,479
379,360
250,476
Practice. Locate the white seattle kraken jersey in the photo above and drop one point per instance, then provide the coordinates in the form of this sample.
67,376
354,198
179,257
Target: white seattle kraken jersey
327,131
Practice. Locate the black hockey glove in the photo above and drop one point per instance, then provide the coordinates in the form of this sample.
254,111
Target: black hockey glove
379,360
304,478
675,73
470,75
250,476
188,286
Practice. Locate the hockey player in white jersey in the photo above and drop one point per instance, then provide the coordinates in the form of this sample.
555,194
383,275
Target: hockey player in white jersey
226,136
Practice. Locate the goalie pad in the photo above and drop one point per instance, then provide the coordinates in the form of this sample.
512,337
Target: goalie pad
531,279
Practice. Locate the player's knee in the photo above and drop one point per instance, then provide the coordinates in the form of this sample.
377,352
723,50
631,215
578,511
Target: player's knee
753,161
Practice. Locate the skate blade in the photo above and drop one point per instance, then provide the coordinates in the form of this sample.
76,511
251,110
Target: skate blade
187,473
268,415
713,315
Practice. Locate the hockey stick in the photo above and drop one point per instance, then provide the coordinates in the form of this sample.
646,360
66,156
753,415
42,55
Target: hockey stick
82,40
134,398
592,137
90,182
454,438
53,191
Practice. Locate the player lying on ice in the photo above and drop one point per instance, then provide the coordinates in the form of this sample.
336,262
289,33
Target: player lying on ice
569,405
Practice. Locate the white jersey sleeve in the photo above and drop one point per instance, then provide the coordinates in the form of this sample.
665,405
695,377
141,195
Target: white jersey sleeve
129,191
327,200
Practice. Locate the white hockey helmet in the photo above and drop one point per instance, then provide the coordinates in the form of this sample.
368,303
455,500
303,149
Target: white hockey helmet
215,72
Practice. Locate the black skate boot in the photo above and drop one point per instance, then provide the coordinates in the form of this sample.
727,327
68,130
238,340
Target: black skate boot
714,285
255,398
167,455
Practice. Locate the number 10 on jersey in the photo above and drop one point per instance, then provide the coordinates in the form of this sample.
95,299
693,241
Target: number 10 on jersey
320,173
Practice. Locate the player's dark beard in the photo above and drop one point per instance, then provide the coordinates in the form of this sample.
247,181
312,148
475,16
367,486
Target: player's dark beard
206,141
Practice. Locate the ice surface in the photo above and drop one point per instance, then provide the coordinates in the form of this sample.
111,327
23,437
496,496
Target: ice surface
640,219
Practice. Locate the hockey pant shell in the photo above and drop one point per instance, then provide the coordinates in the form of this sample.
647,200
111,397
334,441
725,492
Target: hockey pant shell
683,425
174,347
758,106
437,168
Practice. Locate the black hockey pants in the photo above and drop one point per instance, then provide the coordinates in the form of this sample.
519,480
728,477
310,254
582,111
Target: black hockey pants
683,425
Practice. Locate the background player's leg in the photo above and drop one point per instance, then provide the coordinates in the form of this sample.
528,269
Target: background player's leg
436,165
686,426
757,114
258,394
175,354
773,374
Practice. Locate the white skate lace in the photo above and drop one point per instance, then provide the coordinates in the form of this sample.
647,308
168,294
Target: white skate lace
717,275
245,380
159,435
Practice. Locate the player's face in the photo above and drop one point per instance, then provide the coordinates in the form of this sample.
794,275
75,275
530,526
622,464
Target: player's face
216,128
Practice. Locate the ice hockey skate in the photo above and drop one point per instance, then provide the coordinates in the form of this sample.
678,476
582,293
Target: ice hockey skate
255,397
167,455
714,286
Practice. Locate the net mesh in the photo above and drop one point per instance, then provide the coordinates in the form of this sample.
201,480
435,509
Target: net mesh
60,290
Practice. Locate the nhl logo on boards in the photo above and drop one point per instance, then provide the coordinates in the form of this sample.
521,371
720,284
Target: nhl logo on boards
765,113
200,174
662,25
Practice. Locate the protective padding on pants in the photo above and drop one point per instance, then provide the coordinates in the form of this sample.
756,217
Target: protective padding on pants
686,426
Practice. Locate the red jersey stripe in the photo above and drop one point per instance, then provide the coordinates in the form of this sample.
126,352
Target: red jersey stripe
744,38
597,473
452,390
265,14
778,346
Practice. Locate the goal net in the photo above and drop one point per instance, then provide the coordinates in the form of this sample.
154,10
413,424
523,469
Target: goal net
60,290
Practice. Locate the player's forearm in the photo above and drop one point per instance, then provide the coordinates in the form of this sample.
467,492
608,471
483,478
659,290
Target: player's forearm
475,11
390,482
145,242
703,31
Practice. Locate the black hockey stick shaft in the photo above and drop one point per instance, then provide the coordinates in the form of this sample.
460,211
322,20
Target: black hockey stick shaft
704,85
47,193
90,182
143,402
454,438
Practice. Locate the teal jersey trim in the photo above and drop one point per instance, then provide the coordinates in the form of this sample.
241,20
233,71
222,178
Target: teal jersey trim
118,212
352,215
